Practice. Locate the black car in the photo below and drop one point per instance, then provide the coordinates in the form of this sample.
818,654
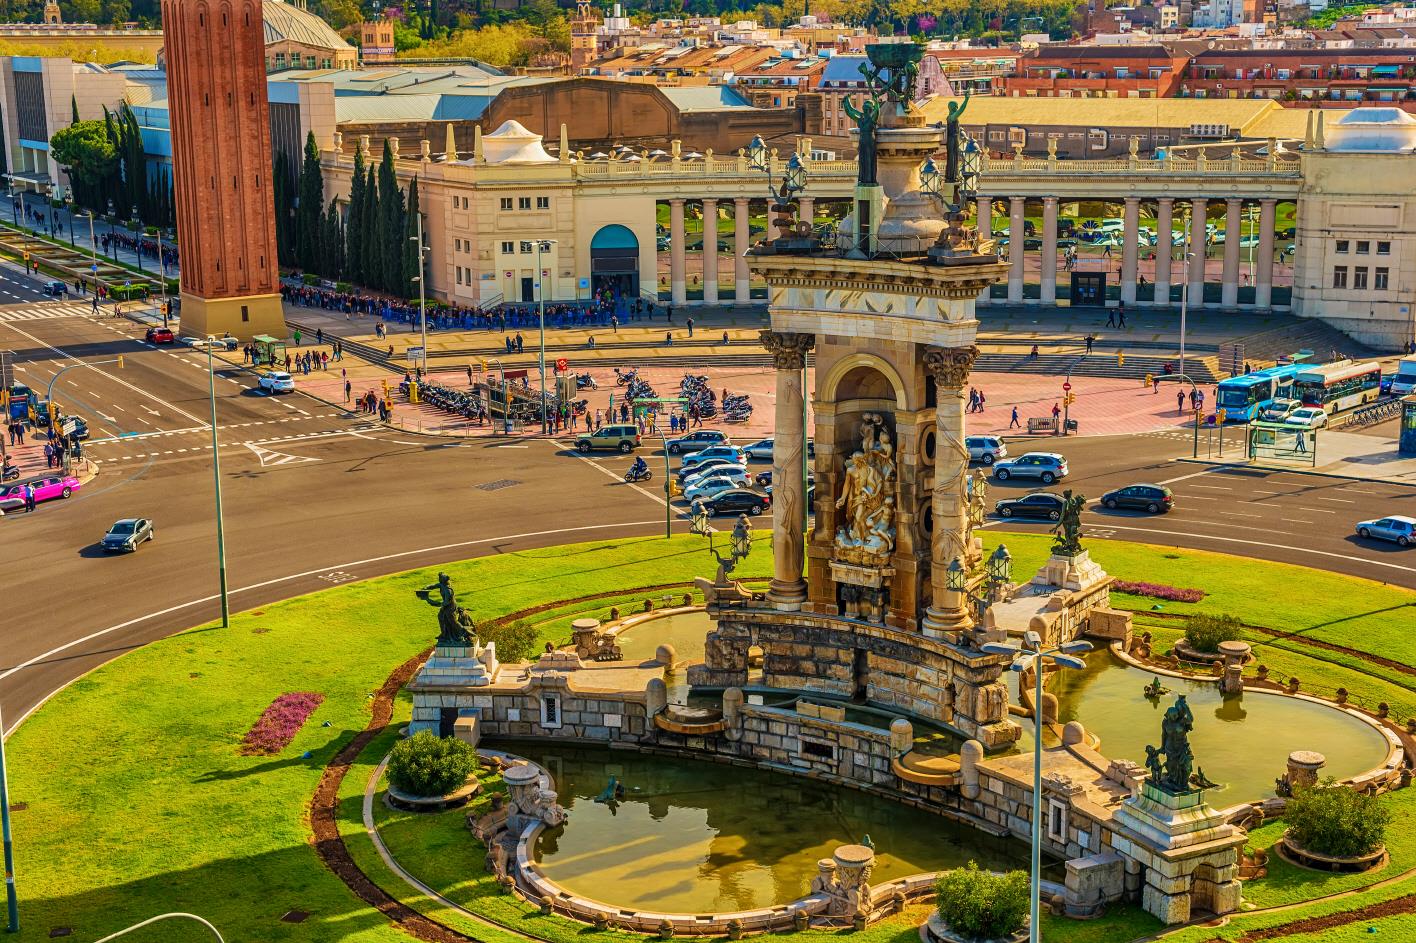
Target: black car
1042,504
1154,499
765,478
738,501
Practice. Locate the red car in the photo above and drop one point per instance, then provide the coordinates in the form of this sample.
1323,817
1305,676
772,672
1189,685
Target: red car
160,335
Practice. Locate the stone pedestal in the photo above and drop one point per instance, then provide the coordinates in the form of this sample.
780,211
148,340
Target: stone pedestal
1236,654
1190,854
1076,573
448,682
1303,767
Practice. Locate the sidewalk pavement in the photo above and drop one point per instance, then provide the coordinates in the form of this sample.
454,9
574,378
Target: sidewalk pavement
1353,455
62,219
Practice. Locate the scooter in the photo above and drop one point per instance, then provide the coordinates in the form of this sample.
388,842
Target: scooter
633,475
584,380
10,473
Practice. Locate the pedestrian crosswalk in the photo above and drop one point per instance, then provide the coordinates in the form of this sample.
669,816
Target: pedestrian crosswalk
45,311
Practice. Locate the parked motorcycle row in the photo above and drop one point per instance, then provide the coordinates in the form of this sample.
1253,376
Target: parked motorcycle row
698,394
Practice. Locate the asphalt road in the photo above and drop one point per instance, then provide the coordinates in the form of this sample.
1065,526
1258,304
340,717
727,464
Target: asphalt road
315,496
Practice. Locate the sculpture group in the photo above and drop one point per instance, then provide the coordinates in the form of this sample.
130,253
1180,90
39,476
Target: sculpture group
867,538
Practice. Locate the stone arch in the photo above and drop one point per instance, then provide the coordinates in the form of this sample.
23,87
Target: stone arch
845,372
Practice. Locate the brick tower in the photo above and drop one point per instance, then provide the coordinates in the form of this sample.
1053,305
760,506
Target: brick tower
221,161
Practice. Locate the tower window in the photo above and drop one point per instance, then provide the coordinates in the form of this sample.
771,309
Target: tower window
245,313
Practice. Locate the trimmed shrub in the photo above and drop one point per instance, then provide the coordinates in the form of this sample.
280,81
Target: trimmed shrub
1334,820
980,904
515,641
1204,633
428,765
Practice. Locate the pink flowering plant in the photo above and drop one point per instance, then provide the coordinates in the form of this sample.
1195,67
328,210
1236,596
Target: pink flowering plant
1158,591
280,722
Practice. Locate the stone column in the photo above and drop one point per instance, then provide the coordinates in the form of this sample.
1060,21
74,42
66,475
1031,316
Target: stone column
1263,259
1233,234
710,251
1016,238
678,291
807,210
949,366
1130,235
740,247
985,231
1197,246
1049,250
1164,249
787,590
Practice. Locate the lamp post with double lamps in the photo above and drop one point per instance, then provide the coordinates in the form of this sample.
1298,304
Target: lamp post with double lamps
542,246
1033,654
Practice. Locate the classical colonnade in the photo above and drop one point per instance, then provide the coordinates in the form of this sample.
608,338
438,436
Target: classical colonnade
741,208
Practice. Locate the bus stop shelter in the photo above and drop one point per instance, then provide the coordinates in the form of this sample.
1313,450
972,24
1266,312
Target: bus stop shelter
268,350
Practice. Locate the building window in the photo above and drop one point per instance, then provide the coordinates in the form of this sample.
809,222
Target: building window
459,274
550,711
1384,248
458,243
245,313
1056,820
543,202
1380,278
1342,246
1363,247
526,248
506,202
1339,277
326,63
523,202
1359,277
508,248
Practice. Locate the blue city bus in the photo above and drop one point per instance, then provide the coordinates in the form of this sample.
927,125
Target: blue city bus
1243,397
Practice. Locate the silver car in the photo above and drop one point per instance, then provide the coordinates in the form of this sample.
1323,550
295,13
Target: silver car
125,535
1046,467
986,448
1400,529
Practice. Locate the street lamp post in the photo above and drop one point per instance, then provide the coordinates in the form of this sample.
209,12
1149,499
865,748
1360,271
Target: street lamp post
422,289
12,900
542,245
1033,654
216,478
1184,304
93,253
138,238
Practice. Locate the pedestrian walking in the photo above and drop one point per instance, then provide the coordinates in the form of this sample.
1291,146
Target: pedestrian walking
1180,402
1056,411
348,388
296,335
1121,315
1091,339
1014,423
690,327
48,455
1110,318
319,335
981,400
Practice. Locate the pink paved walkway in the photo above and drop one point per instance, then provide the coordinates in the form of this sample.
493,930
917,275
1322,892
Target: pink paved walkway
1104,406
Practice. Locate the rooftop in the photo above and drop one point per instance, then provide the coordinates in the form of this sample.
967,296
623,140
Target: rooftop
285,22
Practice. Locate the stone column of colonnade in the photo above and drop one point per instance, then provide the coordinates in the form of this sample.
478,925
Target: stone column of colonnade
985,231
949,366
1233,234
740,247
1196,244
787,591
678,288
1016,245
806,210
1164,248
1130,238
1263,278
1049,250
710,251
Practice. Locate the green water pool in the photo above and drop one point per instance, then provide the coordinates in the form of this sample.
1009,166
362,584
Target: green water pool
699,837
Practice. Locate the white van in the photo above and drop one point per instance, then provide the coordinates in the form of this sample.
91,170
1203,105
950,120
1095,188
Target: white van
1405,380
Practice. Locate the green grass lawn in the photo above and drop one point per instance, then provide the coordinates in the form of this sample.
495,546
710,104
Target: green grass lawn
138,802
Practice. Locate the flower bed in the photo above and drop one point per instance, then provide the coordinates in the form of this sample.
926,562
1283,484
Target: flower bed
280,722
1158,591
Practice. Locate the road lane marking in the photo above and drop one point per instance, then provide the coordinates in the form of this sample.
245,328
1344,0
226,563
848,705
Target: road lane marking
1212,487
1319,497
45,656
1197,474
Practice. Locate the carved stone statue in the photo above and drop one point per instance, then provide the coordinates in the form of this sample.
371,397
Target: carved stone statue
1069,528
953,140
455,626
867,535
1174,775
867,119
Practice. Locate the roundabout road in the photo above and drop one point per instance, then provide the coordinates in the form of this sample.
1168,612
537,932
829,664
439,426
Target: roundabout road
316,497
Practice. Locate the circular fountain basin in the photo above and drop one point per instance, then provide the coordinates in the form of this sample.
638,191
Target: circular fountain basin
697,837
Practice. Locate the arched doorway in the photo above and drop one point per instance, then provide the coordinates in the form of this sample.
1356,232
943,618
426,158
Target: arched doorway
614,261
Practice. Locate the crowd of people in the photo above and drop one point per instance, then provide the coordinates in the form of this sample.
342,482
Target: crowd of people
144,245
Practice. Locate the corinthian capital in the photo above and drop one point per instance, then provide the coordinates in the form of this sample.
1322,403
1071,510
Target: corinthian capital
788,348
950,366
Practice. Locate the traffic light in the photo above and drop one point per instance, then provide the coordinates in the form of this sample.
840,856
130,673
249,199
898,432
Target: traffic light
1120,359
1150,378
5,402
1221,415
1068,399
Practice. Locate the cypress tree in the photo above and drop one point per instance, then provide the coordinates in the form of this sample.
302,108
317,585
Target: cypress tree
134,162
391,225
371,260
309,211
412,261
280,196
332,243
74,104
354,227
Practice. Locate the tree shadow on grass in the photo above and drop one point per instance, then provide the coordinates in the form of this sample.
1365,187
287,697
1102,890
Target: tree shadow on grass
244,897
222,775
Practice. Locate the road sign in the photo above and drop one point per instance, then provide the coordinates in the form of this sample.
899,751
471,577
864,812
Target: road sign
69,427
561,365
1066,386
416,355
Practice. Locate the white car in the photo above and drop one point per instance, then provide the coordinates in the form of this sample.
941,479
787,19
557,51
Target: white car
760,450
729,471
730,452
1309,417
985,448
713,485
220,343
1280,410
277,381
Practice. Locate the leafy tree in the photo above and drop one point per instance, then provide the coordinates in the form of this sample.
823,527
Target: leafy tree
371,261
309,208
74,104
1205,632
428,765
87,154
983,905
1332,819
515,641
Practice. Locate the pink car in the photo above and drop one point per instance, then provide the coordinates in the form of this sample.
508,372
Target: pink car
45,489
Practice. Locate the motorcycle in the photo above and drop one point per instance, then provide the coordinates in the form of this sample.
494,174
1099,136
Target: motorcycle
625,378
10,473
638,474
584,381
